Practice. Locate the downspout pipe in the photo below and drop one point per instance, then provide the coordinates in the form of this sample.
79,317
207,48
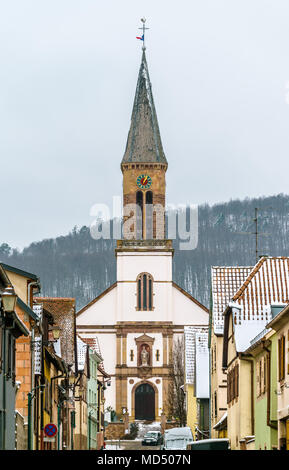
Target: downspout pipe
210,360
270,423
3,444
61,376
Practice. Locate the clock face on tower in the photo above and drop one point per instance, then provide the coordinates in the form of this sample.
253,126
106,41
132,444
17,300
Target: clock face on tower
144,181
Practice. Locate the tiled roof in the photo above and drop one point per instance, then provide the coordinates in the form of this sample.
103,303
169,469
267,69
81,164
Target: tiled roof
63,311
192,333
93,344
226,280
267,284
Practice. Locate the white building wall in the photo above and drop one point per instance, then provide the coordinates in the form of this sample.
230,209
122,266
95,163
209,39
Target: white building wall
101,312
131,264
127,301
186,311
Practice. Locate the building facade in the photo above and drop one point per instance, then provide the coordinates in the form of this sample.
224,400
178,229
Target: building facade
246,319
264,353
11,329
280,324
225,281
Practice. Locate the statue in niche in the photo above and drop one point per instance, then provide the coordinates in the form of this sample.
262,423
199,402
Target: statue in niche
144,356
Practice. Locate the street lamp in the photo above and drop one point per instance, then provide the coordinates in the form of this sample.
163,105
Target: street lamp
9,299
54,334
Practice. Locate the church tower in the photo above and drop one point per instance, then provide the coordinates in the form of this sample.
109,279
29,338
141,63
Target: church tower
138,318
144,166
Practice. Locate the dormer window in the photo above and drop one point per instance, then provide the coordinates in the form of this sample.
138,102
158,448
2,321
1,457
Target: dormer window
144,292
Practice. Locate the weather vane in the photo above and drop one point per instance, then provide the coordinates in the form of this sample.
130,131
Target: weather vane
142,38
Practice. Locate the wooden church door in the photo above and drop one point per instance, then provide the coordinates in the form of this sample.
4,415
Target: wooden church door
145,402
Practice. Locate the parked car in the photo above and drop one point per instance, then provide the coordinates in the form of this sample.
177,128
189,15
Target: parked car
177,438
209,444
152,438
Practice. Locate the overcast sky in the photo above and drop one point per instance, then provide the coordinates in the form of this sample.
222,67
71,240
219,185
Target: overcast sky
219,71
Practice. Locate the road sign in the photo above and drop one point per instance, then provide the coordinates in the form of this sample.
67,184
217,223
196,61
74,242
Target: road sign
50,430
49,439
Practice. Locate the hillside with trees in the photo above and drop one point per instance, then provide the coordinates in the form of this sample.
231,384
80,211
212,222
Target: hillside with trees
76,265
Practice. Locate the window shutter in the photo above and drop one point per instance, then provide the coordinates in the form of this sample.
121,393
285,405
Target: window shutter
237,381
279,359
288,352
283,356
262,375
258,377
265,372
229,387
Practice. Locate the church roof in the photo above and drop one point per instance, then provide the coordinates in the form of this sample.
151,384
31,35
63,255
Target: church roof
144,141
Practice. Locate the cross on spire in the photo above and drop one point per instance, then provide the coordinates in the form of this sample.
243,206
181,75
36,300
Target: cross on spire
143,28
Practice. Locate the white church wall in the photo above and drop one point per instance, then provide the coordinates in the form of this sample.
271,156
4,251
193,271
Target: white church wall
107,344
110,395
102,312
131,345
127,301
186,312
130,265
158,345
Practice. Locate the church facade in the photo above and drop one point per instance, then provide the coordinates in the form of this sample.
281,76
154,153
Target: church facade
137,319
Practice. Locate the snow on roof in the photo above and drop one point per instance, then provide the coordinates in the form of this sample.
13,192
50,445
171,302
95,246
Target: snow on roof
202,365
81,353
245,331
226,280
224,417
178,433
38,309
267,284
196,342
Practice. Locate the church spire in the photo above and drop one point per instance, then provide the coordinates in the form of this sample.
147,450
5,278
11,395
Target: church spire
144,141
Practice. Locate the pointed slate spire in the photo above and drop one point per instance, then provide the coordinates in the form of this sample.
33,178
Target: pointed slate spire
144,141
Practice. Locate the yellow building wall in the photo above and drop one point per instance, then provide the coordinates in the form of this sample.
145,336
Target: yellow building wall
239,410
218,383
20,285
192,418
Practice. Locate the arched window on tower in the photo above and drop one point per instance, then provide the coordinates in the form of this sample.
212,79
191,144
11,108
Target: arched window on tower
144,291
139,215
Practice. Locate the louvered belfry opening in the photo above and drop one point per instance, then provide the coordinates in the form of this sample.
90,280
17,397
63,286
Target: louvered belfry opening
149,215
144,291
139,215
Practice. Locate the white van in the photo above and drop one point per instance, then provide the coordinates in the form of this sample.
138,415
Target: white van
177,438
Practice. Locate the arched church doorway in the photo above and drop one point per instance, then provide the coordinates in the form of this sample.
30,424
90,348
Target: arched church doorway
145,402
